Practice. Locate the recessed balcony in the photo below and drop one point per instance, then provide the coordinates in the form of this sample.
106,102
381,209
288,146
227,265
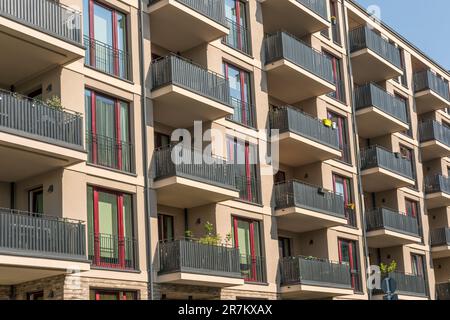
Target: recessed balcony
185,179
389,228
299,17
384,170
409,286
179,25
379,113
300,207
443,291
434,140
183,92
32,132
440,243
374,59
291,64
437,191
303,139
431,92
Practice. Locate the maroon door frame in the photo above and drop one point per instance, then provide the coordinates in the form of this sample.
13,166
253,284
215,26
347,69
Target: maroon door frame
352,254
253,276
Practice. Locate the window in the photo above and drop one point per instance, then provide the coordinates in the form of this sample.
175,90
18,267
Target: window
348,254
241,95
108,132
247,237
335,31
235,13
338,78
245,156
38,295
284,245
343,138
412,208
113,295
408,115
110,228
161,140
403,79
343,187
36,200
105,36
408,154
417,265
165,227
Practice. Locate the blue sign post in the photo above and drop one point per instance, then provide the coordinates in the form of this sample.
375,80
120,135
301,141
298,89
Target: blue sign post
389,286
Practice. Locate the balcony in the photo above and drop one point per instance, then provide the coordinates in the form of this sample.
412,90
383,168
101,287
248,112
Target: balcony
299,17
443,291
179,25
115,252
384,170
190,262
431,92
32,132
440,243
374,59
302,138
183,92
37,35
389,228
379,113
437,191
434,140
409,286
244,113
300,207
290,61
238,38
192,180
34,246
312,278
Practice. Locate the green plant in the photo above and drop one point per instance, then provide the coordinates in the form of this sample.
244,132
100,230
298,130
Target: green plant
388,268
188,234
54,102
210,236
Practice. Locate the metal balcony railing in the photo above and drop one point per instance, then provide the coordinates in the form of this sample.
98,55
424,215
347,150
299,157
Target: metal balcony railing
318,6
376,156
181,72
244,113
253,268
443,291
27,117
238,38
371,95
297,194
111,251
437,183
440,237
383,218
192,256
36,235
48,16
409,284
282,45
433,130
366,38
289,119
427,80
316,272
249,189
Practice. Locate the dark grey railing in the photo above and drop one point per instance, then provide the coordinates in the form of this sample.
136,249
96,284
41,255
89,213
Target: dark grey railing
383,218
297,194
433,130
244,113
45,15
408,284
440,237
443,291
238,38
350,215
364,37
376,156
249,189
32,234
282,45
212,9
193,257
318,6
108,152
32,118
105,58
289,119
437,183
253,268
427,80
193,165
371,95
181,72
313,271
113,252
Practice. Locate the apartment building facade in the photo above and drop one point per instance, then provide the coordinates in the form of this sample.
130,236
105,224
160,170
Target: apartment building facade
92,92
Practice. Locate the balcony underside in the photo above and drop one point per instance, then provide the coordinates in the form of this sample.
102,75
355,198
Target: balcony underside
437,200
19,269
197,279
401,296
373,122
27,52
182,192
441,251
22,157
303,220
313,292
370,67
384,238
379,179
296,150
291,83
292,16
428,100
434,149
177,28
179,108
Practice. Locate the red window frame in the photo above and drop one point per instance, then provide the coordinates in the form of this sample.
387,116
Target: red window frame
253,275
412,208
352,253
346,182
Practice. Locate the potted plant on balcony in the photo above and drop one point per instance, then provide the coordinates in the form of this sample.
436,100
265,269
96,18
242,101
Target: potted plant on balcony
210,237
386,269
327,123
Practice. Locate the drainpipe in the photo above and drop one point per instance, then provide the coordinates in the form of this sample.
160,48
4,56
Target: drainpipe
12,195
145,154
356,147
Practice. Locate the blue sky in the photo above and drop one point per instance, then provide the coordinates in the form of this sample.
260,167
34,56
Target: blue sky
421,22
